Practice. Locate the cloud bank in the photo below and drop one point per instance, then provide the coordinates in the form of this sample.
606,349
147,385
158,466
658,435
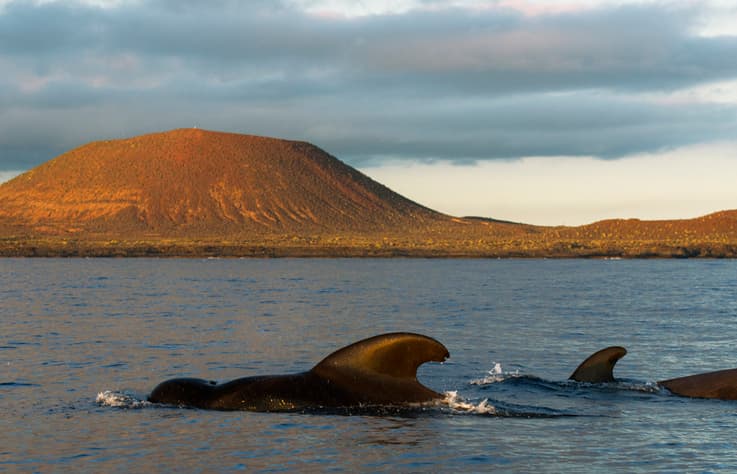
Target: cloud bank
428,82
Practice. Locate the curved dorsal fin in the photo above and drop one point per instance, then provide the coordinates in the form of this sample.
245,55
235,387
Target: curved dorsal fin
395,354
599,366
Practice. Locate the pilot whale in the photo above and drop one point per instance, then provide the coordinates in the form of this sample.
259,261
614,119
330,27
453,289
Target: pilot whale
380,370
721,384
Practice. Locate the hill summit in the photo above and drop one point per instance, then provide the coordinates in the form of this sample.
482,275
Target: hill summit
201,183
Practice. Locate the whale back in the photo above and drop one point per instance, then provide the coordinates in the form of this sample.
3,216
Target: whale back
383,369
184,392
599,366
721,384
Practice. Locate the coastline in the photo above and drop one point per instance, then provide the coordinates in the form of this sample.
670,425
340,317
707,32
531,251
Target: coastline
363,248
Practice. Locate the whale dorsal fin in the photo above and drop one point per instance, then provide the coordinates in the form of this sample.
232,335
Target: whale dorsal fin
395,354
599,366
381,370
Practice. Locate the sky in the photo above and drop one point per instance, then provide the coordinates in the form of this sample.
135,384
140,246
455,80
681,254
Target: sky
547,112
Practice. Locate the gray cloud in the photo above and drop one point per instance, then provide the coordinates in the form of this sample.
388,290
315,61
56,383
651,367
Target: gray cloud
443,84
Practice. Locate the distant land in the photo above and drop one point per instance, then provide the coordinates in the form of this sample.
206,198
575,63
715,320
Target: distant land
197,193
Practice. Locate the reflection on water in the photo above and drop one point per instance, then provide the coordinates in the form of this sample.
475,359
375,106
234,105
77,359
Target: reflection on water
72,329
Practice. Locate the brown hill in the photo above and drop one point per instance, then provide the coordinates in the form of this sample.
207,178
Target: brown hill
713,235
719,226
716,226
198,183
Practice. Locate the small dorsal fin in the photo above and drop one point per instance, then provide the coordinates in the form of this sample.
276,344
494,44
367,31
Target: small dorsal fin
395,354
598,367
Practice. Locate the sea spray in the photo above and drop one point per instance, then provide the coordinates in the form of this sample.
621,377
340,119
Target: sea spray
111,398
458,403
495,375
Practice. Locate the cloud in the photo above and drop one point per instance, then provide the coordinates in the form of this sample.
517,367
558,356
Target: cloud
492,51
429,83
8,175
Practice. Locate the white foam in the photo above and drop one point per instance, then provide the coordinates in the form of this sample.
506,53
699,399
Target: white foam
110,398
495,375
456,402
646,387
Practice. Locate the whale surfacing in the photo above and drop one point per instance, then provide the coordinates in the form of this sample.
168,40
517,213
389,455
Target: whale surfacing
721,384
380,370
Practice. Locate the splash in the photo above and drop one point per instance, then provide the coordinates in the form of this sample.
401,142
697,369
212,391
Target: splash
109,398
458,403
644,387
495,375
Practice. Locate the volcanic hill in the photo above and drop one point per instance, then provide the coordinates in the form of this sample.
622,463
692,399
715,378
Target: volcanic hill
191,182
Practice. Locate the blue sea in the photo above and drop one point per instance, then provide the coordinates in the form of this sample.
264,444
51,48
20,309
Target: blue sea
83,342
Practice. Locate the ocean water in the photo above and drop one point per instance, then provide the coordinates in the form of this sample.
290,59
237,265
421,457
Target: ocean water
83,341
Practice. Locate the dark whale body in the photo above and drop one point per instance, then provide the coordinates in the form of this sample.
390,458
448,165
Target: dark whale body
722,384
381,370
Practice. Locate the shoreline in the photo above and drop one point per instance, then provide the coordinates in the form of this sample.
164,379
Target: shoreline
189,248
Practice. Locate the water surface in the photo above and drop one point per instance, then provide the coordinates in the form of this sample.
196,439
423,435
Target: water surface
71,329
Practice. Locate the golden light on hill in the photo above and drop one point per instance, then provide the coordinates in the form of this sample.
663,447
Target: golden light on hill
196,182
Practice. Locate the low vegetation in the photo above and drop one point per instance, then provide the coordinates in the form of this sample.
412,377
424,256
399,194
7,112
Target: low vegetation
542,246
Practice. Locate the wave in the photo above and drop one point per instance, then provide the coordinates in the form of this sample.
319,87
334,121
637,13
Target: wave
18,384
486,407
498,376
457,403
452,404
